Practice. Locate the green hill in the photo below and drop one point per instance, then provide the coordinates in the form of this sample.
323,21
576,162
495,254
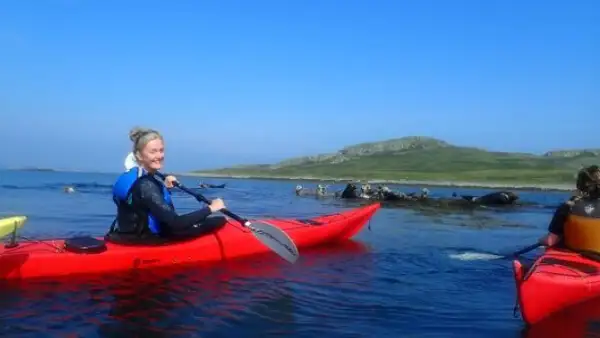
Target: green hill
424,159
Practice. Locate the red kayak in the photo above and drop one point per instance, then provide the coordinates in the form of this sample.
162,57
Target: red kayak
556,281
579,321
51,258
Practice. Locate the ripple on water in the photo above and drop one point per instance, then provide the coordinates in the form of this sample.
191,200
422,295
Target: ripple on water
401,284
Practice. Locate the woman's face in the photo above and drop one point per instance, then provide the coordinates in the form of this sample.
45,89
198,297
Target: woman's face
152,155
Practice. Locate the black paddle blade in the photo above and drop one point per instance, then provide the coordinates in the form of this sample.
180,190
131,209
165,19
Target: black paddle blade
275,239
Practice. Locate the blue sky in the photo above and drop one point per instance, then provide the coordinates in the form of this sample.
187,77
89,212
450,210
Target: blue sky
257,81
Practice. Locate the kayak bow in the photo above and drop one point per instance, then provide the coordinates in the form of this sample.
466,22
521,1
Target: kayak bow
557,280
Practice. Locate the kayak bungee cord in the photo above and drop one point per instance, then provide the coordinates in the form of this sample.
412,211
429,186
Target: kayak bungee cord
40,241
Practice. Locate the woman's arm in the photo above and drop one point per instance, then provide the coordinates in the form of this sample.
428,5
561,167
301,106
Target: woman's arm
151,197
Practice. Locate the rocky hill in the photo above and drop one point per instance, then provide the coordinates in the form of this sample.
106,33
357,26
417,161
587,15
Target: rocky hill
393,146
417,157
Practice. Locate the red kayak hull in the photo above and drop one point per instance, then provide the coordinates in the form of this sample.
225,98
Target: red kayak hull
556,281
35,259
579,321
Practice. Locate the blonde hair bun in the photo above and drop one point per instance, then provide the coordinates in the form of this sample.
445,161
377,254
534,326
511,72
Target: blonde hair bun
136,132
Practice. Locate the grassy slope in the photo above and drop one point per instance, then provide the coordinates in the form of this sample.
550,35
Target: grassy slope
435,164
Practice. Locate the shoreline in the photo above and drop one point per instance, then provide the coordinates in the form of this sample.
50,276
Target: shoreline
561,187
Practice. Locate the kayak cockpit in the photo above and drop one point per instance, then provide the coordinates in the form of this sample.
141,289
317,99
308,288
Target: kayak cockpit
209,226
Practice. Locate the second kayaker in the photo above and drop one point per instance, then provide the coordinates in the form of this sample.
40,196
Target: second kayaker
576,223
144,205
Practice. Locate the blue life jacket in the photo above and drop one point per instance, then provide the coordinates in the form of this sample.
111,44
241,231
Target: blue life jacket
122,193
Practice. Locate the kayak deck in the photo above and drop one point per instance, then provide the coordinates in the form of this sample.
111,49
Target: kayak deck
557,280
48,258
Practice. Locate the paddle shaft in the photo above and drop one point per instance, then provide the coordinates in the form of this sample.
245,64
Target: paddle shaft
201,198
526,249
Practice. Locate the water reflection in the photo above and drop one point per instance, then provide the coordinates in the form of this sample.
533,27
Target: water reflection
257,297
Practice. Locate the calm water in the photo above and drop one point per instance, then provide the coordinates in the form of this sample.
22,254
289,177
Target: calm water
398,279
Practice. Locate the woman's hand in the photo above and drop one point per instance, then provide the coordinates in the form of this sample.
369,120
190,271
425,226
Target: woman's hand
170,181
216,205
549,240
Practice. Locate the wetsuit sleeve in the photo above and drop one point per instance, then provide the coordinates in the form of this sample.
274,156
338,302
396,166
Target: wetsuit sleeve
151,197
557,224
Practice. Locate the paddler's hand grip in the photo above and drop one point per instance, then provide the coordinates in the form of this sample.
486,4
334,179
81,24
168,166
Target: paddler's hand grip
201,198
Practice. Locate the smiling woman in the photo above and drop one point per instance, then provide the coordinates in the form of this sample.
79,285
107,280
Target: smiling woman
152,160
145,210
148,148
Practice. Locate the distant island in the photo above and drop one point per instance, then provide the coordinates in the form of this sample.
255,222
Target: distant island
425,160
32,169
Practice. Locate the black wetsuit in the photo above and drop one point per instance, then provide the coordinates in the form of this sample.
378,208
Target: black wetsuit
147,198
559,219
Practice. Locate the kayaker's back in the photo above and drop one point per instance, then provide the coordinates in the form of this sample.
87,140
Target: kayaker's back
581,231
576,223
582,227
